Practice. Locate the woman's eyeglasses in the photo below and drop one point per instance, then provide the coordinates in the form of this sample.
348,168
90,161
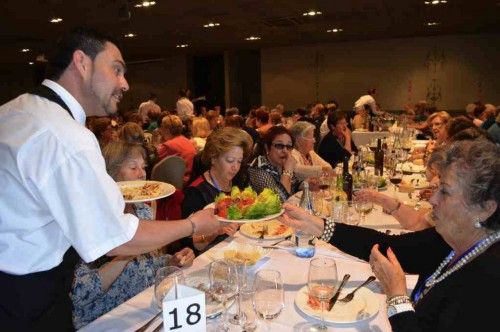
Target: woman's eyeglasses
281,146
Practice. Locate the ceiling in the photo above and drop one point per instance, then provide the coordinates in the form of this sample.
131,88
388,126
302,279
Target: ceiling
25,23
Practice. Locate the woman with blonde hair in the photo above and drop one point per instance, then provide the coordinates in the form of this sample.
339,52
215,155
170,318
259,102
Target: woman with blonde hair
200,129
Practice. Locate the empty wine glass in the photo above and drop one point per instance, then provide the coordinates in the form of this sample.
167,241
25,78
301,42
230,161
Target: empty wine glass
363,207
223,285
166,278
239,317
269,297
322,282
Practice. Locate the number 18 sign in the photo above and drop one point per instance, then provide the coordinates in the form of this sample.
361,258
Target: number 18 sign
186,312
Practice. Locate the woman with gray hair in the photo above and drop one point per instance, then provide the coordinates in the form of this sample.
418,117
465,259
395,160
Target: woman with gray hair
456,261
309,163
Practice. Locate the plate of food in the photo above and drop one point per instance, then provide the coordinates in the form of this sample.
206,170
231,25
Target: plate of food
239,253
245,206
412,168
144,191
268,230
200,280
363,306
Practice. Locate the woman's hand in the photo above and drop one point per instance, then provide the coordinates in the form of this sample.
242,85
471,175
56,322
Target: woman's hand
299,218
388,271
370,195
183,257
290,162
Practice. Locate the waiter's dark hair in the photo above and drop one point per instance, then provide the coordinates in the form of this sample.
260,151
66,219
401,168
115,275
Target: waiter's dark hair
88,40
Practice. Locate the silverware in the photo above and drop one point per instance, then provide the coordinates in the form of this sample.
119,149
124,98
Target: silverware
350,296
332,302
148,323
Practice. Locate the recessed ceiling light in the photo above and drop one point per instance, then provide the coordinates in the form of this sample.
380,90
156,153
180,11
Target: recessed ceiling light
252,38
435,2
431,24
211,25
145,4
182,45
312,13
25,50
56,20
335,30
130,35
31,63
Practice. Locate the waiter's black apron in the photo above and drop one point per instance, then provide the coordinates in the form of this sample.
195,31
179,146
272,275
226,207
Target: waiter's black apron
39,301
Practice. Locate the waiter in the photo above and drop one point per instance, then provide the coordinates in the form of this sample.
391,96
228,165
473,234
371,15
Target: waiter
56,200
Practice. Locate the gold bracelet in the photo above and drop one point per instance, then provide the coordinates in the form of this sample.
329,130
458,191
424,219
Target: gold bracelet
287,173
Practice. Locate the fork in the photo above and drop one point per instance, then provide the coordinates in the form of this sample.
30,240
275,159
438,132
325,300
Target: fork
350,296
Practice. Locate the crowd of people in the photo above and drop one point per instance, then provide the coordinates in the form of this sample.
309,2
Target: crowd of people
74,243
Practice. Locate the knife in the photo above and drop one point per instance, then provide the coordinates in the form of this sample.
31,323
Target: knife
335,297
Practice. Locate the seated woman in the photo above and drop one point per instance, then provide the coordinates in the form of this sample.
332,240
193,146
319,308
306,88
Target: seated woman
360,120
107,282
309,164
338,143
200,129
175,144
225,152
438,124
456,261
274,167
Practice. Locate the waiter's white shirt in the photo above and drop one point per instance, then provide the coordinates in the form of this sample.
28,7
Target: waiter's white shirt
185,108
54,189
367,99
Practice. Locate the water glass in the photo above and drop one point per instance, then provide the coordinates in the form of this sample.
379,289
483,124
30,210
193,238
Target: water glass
166,278
269,297
304,245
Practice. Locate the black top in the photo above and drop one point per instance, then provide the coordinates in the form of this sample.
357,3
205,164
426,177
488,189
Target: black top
457,303
332,151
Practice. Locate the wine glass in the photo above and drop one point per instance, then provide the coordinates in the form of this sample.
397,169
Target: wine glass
322,281
166,278
363,207
395,176
223,285
269,297
243,279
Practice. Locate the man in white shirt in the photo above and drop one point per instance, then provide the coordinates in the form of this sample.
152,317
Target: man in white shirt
184,106
369,100
57,199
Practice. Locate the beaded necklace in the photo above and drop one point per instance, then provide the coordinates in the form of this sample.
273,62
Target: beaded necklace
468,256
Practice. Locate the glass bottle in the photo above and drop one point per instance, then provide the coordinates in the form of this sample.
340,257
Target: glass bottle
347,179
379,159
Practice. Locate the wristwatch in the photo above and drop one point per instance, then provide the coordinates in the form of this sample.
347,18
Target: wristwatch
393,309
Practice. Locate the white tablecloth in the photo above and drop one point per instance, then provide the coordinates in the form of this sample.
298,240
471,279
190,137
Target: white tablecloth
135,312
364,137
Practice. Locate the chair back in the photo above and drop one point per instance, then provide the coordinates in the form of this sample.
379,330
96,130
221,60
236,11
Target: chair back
171,170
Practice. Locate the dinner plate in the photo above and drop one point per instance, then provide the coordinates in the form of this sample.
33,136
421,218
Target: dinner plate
200,280
244,221
145,191
242,250
412,168
363,306
276,229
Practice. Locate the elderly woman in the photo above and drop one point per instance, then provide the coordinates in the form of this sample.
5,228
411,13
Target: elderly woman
109,281
337,144
457,260
274,167
176,144
131,132
226,151
309,163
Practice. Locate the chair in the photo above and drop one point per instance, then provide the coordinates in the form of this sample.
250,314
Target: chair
171,170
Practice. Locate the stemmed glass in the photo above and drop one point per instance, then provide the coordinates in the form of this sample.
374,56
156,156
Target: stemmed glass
395,176
223,285
242,270
269,297
363,207
322,282
166,278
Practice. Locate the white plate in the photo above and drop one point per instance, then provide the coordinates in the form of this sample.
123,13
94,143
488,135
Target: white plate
250,229
412,168
163,190
364,305
200,280
244,221
218,253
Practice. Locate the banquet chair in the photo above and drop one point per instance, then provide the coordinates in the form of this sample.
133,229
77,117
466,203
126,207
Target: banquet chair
171,170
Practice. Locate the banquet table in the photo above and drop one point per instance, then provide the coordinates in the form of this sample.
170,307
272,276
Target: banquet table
364,137
134,313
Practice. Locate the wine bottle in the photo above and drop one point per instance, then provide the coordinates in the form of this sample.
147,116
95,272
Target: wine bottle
379,159
347,179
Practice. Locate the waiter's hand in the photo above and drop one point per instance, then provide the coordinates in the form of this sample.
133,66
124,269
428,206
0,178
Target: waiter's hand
205,221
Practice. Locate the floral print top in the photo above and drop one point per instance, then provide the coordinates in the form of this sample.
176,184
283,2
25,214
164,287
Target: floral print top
91,302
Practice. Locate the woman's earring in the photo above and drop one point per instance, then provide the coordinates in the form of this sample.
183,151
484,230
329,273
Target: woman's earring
478,223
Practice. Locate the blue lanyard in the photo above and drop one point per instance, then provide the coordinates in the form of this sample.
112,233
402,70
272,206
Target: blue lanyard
215,183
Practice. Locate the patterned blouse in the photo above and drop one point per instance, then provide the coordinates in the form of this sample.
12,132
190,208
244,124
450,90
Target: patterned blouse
91,302
264,175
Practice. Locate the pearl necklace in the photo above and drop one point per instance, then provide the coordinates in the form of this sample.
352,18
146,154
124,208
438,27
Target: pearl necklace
476,251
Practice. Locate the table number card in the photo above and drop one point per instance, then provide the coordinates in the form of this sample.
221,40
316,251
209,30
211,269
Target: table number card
187,312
